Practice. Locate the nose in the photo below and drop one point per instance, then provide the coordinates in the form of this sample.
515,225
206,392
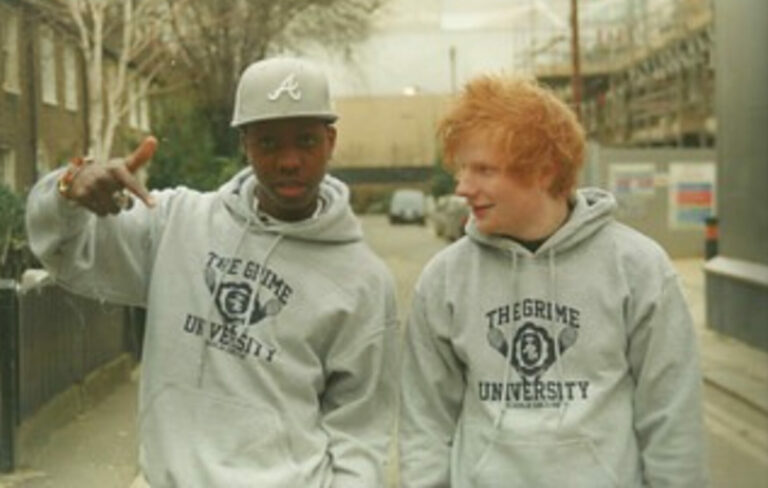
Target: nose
464,187
289,160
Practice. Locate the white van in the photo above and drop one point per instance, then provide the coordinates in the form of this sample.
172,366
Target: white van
406,206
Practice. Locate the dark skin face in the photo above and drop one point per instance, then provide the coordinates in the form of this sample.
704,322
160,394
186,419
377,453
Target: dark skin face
289,157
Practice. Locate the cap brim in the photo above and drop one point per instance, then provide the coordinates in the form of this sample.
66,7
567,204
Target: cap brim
327,117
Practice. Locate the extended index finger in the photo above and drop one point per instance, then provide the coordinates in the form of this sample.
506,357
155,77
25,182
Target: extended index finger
142,154
133,185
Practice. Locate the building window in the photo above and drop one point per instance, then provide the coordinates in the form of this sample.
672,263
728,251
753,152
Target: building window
7,168
48,66
11,52
70,78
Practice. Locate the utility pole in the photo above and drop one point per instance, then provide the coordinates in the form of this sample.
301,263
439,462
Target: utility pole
575,59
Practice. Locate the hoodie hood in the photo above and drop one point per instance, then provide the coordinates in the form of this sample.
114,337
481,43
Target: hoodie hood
334,224
592,209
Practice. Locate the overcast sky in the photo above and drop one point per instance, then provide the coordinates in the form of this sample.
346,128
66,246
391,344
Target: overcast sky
411,46
413,40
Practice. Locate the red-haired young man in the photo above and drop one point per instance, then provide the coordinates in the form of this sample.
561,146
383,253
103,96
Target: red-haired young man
551,346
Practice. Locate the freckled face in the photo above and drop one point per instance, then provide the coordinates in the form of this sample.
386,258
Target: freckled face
289,158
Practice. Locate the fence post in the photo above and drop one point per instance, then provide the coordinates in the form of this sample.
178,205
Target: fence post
9,399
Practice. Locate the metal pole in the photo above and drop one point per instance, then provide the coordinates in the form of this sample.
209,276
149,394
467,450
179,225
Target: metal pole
9,399
575,59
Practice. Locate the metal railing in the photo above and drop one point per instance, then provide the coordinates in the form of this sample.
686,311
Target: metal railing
50,341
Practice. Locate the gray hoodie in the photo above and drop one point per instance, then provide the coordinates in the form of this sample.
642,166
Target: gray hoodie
575,366
269,348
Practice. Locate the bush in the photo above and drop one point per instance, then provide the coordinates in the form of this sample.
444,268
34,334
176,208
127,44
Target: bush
15,255
185,153
443,182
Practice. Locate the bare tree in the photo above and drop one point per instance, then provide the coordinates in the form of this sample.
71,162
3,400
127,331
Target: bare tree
121,44
217,39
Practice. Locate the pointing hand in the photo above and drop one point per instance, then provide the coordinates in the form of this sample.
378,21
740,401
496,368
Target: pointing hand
100,187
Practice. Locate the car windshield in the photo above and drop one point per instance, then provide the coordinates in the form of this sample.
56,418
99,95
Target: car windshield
407,199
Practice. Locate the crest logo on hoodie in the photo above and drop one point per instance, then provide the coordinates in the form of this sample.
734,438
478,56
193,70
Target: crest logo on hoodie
533,351
235,299
244,292
532,348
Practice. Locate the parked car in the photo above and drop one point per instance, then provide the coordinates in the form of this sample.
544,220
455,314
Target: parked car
406,206
449,216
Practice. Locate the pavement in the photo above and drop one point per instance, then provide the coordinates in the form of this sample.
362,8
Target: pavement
727,363
99,448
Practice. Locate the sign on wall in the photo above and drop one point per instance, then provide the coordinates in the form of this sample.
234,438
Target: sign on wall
633,186
691,194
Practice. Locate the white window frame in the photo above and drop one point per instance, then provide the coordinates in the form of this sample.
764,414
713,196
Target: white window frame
70,78
8,167
11,78
48,66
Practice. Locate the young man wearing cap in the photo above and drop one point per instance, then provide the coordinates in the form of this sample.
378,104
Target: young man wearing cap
550,347
270,324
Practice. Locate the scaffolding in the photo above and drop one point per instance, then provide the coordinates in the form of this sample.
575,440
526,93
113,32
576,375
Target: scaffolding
646,69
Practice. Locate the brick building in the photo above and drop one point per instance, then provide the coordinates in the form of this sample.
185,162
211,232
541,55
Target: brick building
43,95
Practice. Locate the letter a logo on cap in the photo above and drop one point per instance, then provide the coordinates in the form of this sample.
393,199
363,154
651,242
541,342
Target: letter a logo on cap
290,86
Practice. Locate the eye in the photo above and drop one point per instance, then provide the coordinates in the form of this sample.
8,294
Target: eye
483,169
267,143
308,140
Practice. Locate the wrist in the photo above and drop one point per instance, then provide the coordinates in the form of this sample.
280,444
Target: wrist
65,181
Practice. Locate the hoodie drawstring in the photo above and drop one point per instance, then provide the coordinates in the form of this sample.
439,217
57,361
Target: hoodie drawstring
215,291
553,299
508,362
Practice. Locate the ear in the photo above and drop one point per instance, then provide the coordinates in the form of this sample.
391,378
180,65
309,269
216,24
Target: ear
242,141
331,132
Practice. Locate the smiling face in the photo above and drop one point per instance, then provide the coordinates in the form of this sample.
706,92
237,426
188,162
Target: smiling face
502,202
289,157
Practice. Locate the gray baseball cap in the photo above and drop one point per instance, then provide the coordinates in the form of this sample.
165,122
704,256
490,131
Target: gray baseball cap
279,88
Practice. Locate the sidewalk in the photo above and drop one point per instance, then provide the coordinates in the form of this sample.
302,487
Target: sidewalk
727,363
99,449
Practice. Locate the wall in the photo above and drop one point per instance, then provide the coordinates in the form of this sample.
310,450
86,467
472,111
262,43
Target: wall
387,131
664,193
737,280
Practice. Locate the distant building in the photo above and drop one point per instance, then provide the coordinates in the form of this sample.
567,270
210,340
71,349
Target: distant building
647,73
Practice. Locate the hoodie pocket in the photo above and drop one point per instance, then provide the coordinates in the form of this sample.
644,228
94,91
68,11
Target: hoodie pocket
542,464
191,438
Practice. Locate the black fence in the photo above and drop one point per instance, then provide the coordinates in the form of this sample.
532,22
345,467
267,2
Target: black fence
51,340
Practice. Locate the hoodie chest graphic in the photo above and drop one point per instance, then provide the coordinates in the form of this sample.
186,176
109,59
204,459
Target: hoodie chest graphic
244,293
531,336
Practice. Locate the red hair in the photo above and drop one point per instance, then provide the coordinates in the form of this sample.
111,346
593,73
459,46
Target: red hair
528,125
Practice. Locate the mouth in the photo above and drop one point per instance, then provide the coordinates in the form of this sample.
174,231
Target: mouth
479,211
290,189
